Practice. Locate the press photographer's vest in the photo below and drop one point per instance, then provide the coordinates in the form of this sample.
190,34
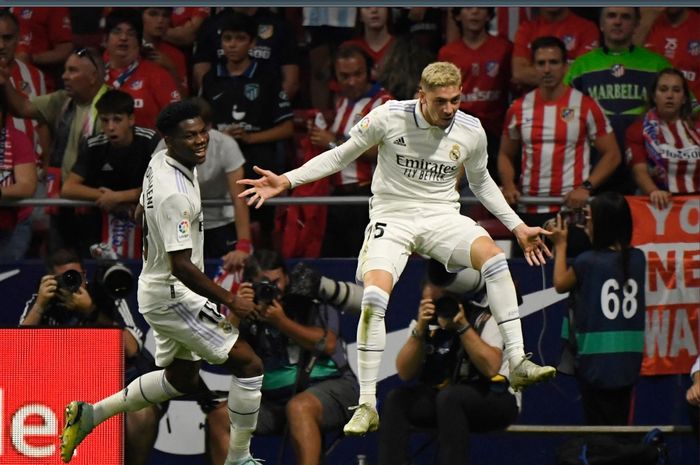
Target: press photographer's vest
446,361
608,318
282,357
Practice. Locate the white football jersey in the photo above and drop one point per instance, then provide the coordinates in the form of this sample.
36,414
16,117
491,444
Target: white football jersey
172,221
417,162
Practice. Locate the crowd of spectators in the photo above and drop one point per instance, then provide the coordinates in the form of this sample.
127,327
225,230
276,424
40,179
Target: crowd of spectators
259,67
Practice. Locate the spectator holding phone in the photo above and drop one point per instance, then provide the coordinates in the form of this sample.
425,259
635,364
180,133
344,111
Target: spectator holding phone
607,286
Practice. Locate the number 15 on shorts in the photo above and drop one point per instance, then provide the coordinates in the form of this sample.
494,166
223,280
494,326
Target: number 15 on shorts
377,230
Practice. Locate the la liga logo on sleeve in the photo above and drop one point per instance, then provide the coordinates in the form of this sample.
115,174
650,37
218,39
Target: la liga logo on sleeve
183,230
364,124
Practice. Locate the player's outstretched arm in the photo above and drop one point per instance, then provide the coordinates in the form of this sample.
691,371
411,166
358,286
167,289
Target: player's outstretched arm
267,185
530,239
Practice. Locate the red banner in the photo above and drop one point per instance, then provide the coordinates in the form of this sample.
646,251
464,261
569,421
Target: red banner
670,239
41,370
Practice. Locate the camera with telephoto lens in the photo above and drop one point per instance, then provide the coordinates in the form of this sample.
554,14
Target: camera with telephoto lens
114,278
70,280
302,293
304,282
446,307
265,292
111,276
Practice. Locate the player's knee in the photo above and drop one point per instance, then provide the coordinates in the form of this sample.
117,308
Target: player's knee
255,367
374,303
483,250
488,256
379,278
184,382
250,368
492,250
304,405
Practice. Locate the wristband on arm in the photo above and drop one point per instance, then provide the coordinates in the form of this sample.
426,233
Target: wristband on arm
463,329
244,245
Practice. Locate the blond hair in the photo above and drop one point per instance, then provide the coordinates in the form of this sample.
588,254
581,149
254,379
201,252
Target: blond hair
440,74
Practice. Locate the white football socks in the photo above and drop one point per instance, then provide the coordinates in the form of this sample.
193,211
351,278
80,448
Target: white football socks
503,303
151,388
371,339
243,407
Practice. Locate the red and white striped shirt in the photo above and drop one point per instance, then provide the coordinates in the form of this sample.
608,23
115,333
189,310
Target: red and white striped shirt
348,113
555,137
28,80
679,151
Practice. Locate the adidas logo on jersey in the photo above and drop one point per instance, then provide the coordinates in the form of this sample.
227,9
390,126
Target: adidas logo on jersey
107,167
400,142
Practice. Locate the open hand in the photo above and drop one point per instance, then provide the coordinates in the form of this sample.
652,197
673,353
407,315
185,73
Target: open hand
530,240
268,185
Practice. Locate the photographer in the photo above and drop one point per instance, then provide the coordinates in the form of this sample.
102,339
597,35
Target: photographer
607,287
455,353
308,384
65,299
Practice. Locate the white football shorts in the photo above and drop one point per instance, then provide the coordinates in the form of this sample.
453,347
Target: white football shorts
396,230
190,331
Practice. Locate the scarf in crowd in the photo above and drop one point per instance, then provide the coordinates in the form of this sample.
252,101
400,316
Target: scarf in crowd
656,149
123,76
